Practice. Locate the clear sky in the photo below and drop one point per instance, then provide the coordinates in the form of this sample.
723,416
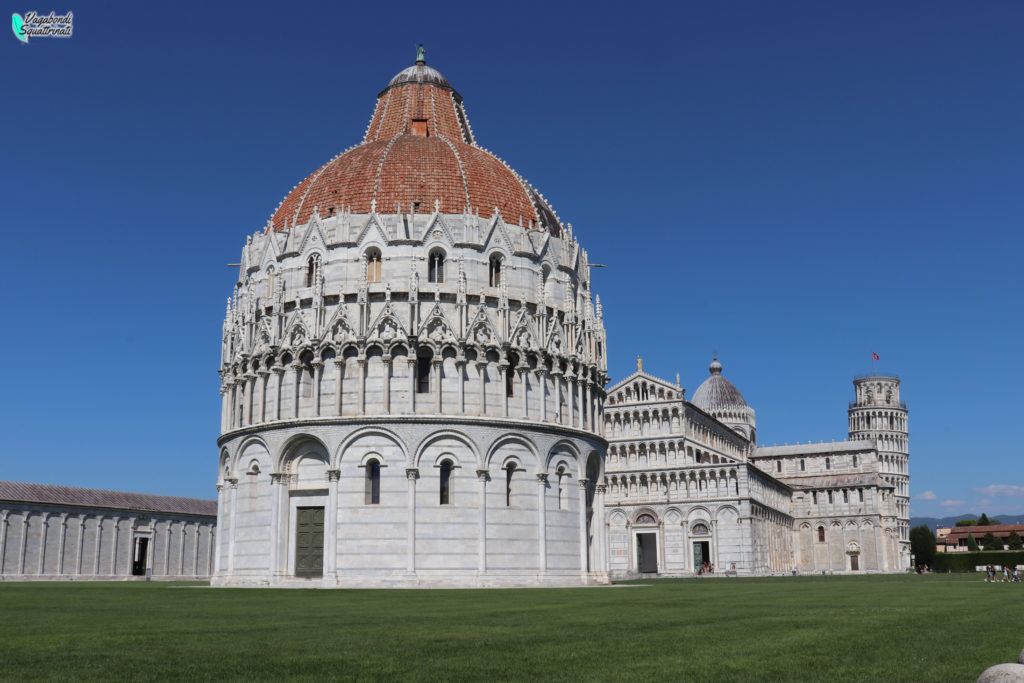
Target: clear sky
791,184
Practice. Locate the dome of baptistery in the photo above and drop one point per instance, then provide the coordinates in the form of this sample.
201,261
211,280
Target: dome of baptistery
412,372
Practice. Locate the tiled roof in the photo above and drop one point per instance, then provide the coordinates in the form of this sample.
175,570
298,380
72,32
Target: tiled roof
837,481
997,530
395,166
49,494
854,446
717,393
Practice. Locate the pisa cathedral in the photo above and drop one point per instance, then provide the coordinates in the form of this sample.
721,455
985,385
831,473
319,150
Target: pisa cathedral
414,393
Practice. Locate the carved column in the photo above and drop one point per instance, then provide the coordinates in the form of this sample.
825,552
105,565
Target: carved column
96,549
181,547
331,526
250,402
542,522
436,367
411,474
503,373
460,364
339,377
78,551
581,407
60,542
542,385
481,371
481,547
224,412
601,532
276,481
195,556
296,389
279,373
556,376
318,378
167,546
209,548
587,417
412,383
583,526
522,383
113,546
3,538
231,540
386,359
42,542
264,382
361,404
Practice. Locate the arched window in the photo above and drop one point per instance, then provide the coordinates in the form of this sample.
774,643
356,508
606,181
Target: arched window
312,265
821,534
814,497
828,463
829,497
510,375
373,482
435,272
778,465
846,496
423,360
510,470
373,265
802,464
270,283
446,482
494,271
855,461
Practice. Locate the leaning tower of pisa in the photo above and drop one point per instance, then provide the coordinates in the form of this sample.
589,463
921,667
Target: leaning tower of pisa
879,415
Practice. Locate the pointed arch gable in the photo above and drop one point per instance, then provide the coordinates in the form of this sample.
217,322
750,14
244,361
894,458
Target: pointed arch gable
297,445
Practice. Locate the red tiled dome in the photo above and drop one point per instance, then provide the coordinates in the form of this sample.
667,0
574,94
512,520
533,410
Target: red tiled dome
418,149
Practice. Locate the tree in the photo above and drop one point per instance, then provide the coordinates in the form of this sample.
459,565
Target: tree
922,545
1013,542
990,542
967,522
972,545
985,521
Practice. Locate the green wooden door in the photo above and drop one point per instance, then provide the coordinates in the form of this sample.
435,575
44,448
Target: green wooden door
309,542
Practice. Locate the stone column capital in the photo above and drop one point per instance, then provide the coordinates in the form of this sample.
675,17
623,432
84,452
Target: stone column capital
602,488
232,482
482,475
333,475
583,483
278,478
317,363
542,478
412,473
278,369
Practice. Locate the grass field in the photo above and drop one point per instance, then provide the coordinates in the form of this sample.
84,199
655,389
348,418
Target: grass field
890,628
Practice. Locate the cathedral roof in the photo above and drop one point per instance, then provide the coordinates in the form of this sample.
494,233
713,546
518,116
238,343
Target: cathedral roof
418,153
717,392
50,494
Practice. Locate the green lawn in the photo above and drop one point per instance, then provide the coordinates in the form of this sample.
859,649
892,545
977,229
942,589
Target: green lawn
909,628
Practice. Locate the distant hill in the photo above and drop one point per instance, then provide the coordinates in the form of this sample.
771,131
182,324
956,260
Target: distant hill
932,522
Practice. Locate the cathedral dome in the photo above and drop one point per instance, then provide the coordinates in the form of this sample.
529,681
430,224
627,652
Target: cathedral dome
717,392
418,155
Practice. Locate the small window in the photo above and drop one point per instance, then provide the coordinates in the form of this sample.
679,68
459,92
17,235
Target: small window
435,272
846,496
510,375
829,497
860,495
814,497
778,465
373,265
802,468
494,271
446,482
821,534
828,463
373,482
312,266
419,127
509,471
423,373
855,461
562,477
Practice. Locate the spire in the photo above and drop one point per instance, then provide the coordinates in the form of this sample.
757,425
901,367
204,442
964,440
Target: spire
639,364
421,55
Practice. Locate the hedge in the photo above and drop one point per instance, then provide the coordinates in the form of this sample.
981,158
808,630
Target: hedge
966,562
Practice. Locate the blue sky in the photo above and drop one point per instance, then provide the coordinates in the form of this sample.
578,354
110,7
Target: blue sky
791,184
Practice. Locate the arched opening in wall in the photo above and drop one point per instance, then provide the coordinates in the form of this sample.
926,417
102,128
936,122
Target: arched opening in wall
510,470
545,273
821,534
563,503
855,461
306,375
510,374
446,482
828,463
373,482
312,266
270,283
373,264
435,269
424,356
778,465
494,270
802,465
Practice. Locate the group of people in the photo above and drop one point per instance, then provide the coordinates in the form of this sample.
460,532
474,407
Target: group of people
705,568
1008,574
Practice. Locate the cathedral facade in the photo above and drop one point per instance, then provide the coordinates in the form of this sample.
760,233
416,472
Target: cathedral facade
690,491
413,382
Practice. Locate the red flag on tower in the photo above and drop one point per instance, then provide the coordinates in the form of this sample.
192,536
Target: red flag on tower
875,356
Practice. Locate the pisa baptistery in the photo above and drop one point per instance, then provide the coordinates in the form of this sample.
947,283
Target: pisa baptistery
412,372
